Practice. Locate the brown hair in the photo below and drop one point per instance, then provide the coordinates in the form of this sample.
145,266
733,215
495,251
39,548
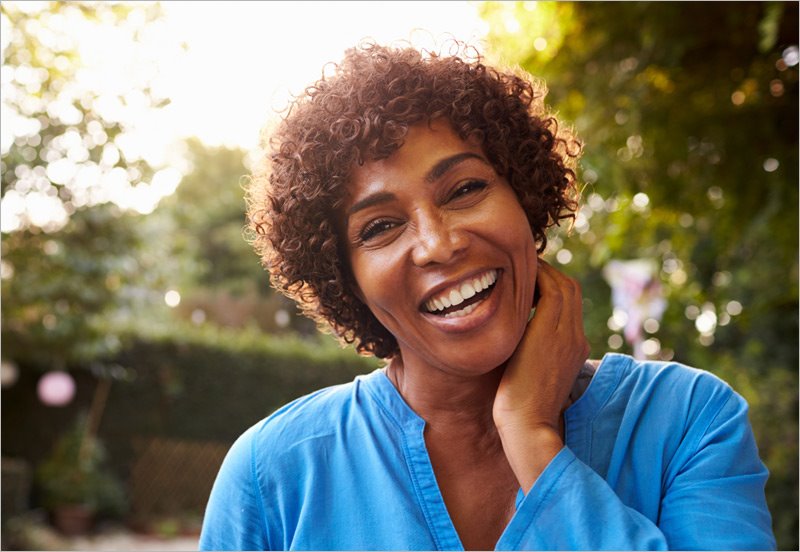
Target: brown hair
361,113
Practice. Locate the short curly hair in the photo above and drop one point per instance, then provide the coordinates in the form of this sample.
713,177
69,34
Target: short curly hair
362,112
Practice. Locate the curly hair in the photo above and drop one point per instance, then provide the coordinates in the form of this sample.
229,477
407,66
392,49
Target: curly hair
362,112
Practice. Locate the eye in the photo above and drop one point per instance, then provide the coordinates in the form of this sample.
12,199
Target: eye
467,188
375,228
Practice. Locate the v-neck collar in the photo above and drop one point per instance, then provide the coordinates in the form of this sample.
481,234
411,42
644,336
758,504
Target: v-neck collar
412,430
411,427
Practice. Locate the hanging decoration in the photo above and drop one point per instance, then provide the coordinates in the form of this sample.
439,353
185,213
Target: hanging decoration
56,388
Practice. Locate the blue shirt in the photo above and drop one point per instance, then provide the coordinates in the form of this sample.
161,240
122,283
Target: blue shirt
657,456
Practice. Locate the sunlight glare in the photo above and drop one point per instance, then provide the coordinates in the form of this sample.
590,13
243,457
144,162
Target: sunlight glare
232,80
227,70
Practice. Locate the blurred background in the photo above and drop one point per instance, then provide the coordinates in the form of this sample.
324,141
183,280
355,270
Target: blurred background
140,336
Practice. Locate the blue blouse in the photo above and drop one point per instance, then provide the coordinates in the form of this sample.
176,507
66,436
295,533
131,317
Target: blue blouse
657,456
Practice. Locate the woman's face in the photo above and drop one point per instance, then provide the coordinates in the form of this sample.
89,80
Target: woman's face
442,252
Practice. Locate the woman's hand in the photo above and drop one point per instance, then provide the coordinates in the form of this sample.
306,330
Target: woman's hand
535,387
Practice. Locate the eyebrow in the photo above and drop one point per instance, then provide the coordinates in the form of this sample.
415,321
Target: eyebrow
437,171
370,200
444,165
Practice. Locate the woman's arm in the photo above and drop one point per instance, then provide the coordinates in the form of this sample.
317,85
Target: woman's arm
711,497
534,390
234,517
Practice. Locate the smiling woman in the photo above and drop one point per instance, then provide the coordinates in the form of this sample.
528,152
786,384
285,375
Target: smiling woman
403,205
365,114
432,220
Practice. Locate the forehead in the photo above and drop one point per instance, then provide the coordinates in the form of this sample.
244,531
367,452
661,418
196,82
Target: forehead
424,146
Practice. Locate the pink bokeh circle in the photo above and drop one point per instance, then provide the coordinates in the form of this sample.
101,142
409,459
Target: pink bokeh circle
56,388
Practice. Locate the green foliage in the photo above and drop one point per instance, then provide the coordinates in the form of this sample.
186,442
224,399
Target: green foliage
689,116
224,279
75,474
71,292
208,207
186,383
68,137
76,267
212,383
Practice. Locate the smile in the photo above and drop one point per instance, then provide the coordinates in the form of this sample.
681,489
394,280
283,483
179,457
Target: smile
462,298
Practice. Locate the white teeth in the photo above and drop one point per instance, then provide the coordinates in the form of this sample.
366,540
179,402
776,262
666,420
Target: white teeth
456,295
467,290
463,312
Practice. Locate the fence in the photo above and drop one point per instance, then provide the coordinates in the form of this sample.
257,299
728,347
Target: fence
173,477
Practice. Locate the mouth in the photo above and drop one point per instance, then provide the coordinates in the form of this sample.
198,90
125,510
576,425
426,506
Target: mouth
461,298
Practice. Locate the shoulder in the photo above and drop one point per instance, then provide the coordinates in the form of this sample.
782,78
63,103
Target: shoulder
318,414
668,380
274,458
657,413
669,394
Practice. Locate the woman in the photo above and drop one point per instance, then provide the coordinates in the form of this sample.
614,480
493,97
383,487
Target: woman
404,205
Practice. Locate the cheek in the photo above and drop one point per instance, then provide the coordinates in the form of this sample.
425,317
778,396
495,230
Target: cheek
526,254
513,221
360,284
375,281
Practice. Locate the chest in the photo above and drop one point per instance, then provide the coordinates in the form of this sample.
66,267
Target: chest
479,494
395,493
480,507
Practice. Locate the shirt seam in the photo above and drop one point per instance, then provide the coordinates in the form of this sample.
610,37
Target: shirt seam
254,475
625,365
611,390
548,492
696,444
411,468
612,386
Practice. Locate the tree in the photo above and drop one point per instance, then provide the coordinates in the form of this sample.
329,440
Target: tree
689,115
209,208
75,266
228,286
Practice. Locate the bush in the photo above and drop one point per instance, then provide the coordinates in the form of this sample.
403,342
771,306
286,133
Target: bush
211,384
75,474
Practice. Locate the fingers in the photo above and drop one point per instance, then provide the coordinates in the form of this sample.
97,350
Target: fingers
548,305
560,297
561,306
540,374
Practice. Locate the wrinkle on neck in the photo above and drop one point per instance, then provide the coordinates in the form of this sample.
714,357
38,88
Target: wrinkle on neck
449,403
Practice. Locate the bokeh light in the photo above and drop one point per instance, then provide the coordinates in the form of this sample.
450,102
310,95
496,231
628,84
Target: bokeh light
172,298
56,388
9,373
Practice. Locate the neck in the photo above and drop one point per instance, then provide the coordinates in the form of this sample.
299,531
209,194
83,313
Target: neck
449,403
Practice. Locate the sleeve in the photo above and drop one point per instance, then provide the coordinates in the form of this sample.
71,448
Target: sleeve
714,501
234,517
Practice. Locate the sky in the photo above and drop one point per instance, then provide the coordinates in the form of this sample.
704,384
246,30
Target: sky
244,59
227,68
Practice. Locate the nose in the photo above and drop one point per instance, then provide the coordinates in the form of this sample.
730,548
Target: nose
437,240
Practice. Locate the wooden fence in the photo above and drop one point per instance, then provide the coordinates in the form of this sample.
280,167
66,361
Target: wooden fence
173,477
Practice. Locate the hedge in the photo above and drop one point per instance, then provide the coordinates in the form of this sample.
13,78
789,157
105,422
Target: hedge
181,382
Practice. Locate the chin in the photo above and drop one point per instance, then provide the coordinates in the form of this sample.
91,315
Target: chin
490,356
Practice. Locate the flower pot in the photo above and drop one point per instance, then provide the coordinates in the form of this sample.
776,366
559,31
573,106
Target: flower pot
73,519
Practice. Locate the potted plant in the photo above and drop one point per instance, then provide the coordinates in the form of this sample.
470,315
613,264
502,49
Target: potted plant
74,483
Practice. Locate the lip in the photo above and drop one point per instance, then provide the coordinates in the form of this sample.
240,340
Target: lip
482,313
